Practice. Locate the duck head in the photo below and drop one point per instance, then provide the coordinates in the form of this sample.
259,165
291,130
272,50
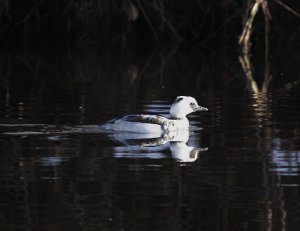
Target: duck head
184,105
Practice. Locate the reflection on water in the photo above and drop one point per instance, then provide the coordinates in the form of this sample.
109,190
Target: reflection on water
147,145
285,163
57,171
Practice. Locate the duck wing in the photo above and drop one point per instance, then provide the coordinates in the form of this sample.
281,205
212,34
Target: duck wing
139,123
149,119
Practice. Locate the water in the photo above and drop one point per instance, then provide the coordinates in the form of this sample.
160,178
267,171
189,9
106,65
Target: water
239,169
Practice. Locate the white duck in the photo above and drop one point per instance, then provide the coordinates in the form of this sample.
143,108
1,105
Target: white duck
157,124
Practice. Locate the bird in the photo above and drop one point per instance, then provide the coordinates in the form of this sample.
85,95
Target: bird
157,124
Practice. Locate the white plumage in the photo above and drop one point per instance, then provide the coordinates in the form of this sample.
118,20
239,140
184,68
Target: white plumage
157,124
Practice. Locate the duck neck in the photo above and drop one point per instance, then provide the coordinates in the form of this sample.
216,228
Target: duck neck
177,117
181,123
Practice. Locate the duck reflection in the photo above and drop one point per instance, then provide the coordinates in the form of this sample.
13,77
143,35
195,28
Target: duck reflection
136,145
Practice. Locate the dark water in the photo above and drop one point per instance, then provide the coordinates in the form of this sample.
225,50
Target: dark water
58,173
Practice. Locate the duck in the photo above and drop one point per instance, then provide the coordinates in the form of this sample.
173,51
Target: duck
157,124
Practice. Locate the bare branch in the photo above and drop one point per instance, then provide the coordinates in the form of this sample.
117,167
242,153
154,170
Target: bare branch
288,8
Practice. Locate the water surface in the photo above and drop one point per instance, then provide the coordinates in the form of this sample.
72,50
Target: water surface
238,171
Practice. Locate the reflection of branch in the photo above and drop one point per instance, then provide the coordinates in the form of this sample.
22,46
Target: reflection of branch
247,68
267,77
245,41
246,65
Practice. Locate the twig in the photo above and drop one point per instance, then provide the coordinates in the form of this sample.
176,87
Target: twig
147,19
246,34
245,41
166,22
288,8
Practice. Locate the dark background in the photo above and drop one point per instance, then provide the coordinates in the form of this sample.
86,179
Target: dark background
140,46
137,23
66,64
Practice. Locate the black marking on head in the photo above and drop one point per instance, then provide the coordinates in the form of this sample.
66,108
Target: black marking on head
178,99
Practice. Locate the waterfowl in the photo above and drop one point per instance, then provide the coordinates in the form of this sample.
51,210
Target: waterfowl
158,124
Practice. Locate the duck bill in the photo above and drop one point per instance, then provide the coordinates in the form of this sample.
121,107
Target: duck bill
202,108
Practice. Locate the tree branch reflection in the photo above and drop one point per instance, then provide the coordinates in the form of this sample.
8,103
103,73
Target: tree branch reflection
263,114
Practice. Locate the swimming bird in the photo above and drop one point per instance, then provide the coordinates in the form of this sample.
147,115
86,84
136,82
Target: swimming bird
158,124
